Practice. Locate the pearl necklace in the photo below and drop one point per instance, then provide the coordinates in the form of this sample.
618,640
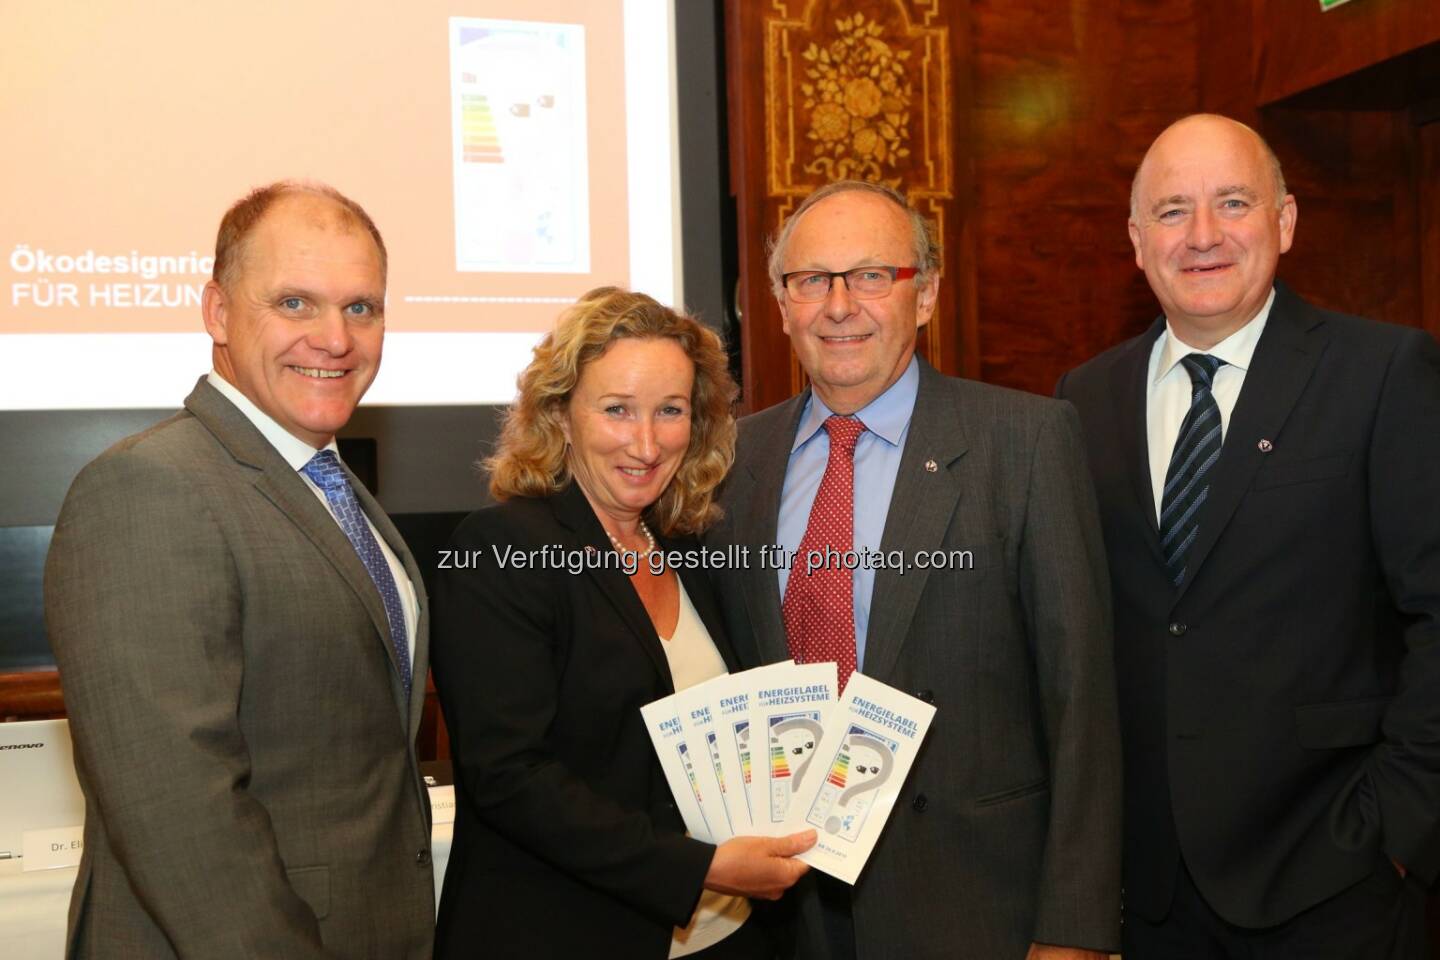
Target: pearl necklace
649,541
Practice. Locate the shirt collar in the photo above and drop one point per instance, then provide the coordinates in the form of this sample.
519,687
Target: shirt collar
296,452
1236,350
886,416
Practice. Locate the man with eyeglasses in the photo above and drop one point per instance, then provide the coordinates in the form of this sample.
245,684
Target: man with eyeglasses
1004,841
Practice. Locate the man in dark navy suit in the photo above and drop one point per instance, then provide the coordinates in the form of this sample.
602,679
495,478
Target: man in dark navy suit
1268,476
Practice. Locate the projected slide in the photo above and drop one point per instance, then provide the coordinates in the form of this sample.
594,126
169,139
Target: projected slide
518,97
514,153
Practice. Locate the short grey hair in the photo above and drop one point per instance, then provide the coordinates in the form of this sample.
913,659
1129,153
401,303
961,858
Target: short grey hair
1277,175
923,239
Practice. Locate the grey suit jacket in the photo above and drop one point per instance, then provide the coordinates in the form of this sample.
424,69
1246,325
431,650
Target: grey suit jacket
242,738
1008,828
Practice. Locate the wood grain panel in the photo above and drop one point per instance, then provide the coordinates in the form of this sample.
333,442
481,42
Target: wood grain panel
1429,166
829,89
1350,144
1356,239
1068,97
1297,46
31,695
1225,59
764,348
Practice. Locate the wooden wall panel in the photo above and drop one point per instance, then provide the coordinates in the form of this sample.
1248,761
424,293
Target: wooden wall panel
1298,47
1224,59
1356,239
1429,166
1068,97
1056,103
822,90
1351,145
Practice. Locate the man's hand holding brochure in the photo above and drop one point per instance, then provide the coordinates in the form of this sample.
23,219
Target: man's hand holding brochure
772,751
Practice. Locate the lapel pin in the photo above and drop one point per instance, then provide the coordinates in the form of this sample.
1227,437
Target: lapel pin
931,466
1265,446
590,548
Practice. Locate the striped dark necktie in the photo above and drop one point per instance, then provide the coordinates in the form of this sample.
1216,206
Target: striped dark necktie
1187,480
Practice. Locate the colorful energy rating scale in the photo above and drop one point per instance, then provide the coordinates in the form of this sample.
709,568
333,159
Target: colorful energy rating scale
838,769
481,140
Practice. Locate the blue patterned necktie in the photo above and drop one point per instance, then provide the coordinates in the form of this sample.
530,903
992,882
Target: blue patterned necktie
324,468
1186,481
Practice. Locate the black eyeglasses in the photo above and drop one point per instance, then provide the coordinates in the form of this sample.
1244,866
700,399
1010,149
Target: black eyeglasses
863,283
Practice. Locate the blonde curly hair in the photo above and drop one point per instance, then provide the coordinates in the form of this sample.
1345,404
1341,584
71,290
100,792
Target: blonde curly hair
530,459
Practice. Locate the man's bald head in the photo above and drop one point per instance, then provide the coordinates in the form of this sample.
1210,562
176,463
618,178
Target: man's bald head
1199,122
1209,221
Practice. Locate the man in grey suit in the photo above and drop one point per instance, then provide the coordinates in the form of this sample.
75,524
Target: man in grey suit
1004,842
241,633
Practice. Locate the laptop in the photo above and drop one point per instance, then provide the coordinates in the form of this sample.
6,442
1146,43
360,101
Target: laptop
38,772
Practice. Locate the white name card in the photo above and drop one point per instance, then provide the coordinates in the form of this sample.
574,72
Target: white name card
442,804
51,849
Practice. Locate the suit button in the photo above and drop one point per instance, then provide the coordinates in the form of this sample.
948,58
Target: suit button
423,857
1178,629
927,695
920,803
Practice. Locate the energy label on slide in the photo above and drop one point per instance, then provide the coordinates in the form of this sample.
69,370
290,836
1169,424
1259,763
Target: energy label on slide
514,153
521,179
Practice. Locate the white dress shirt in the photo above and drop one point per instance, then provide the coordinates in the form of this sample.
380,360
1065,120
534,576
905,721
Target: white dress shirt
297,453
1168,398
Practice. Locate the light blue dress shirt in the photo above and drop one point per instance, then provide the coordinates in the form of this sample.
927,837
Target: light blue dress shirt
877,461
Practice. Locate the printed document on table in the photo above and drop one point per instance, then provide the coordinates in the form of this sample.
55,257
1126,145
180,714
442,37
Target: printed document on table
871,740
679,763
787,717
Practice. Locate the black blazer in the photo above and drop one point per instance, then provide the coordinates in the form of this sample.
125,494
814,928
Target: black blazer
1281,709
567,842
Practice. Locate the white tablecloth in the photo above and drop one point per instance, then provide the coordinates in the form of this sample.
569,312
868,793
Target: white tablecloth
33,906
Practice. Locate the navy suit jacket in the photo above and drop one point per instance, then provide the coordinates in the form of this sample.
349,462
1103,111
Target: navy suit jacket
1280,709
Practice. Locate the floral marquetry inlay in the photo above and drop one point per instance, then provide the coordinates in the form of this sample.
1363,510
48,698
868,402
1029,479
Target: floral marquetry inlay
859,89
858,94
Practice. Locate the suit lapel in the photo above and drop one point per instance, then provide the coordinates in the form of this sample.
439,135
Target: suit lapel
1131,402
573,512
756,505
936,435
277,482
1283,362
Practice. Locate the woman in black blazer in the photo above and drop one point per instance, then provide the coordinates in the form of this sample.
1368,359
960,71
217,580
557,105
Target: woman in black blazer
555,622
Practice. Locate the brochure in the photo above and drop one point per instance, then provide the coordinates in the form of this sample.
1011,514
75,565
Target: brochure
729,699
874,734
787,713
662,721
722,798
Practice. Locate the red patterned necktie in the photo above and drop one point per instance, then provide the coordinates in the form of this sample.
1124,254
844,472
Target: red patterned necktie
819,607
